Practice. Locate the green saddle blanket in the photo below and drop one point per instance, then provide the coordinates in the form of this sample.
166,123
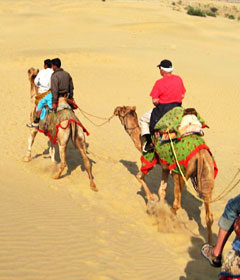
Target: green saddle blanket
185,148
51,123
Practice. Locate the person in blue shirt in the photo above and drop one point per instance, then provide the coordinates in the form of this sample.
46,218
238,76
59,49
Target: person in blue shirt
227,223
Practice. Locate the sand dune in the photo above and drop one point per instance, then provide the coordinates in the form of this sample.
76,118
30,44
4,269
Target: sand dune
61,229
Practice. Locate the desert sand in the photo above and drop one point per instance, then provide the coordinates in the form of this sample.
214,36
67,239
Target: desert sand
61,229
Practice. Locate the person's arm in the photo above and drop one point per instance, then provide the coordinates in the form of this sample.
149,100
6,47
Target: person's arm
37,79
183,90
71,87
54,90
231,212
155,101
155,94
225,223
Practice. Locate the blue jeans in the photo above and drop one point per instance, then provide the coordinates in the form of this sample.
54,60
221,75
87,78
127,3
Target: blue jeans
231,212
47,100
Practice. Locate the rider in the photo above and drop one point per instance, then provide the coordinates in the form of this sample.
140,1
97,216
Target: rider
43,82
61,83
226,225
166,94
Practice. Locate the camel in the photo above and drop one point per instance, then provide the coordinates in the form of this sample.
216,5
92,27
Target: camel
65,132
32,73
200,167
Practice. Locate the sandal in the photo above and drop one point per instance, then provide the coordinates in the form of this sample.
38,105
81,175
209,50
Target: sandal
206,251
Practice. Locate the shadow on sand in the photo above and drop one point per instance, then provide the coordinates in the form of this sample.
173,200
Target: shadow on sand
73,157
190,204
199,268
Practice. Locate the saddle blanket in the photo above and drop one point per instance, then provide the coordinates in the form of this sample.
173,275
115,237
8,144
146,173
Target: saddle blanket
50,125
185,148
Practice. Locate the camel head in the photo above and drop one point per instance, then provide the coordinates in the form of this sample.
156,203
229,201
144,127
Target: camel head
129,119
126,113
124,110
32,73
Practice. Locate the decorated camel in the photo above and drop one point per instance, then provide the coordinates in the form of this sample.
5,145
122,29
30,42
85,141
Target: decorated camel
200,168
68,127
32,73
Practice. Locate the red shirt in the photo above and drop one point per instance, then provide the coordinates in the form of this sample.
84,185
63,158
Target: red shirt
168,89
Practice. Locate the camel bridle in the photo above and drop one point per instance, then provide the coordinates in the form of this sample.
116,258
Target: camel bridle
122,119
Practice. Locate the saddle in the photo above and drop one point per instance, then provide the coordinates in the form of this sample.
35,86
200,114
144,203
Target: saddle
177,123
40,96
190,123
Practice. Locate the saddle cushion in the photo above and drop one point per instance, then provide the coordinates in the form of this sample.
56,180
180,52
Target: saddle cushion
175,121
50,125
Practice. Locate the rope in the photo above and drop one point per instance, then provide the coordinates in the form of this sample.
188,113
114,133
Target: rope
227,190
101,118
103,158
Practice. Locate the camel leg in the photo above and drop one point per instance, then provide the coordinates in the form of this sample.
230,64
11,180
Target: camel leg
33,133
80,143
178,188
62,153
52,152
63,137
209,221
205,174
140,177
163,184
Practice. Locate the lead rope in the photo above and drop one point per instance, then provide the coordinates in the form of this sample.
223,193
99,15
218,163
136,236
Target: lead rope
107,120
227,190
84,113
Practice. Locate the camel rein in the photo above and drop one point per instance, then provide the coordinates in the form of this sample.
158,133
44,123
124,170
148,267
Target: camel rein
85,114
107,120
122,119
227,190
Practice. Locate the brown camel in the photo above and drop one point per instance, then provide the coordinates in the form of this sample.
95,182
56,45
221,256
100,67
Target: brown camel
32,73
200,164
72,131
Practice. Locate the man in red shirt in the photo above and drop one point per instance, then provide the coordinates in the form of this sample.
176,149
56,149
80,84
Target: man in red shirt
167,93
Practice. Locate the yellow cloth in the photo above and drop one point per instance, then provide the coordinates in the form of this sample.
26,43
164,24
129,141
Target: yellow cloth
41,96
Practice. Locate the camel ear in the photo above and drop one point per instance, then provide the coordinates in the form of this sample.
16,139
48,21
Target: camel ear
117,111
133,108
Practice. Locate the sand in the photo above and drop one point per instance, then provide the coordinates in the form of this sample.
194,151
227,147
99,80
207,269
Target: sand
61,229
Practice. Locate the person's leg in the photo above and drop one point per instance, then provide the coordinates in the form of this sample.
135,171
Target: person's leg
40,105
226,222
145,131
48,100
144,123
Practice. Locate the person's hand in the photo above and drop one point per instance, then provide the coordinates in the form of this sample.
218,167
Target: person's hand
54,108
237,227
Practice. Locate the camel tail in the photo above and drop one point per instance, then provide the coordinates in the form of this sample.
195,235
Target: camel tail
73,133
